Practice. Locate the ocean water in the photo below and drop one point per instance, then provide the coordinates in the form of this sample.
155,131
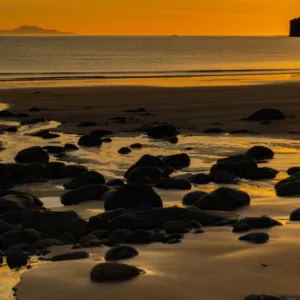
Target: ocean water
156,60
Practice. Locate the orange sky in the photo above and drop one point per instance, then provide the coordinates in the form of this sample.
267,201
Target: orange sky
184,17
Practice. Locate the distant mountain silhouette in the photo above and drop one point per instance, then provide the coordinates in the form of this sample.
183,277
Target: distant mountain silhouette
25,29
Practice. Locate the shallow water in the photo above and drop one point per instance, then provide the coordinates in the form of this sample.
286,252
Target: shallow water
206,150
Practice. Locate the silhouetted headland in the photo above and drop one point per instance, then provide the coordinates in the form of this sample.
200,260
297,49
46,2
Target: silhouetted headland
32,30
295,28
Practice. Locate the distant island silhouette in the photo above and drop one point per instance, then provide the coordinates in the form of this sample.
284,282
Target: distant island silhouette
295,27
32,30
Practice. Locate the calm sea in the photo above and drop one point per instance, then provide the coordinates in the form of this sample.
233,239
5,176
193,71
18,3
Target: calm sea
144,60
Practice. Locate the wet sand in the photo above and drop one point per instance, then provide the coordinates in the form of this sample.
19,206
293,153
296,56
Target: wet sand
193,108
213,265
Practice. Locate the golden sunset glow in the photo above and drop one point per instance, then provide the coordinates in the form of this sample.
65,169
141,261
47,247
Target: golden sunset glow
189,17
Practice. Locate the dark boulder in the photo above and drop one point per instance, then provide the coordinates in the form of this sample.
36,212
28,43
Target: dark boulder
200,178
45,134
70,147
263,297
248,223
6,114
260,153
229,166
136,146
266,114
162,131
44,244
192,197
83,194
86,239
6,227
12,216
150,161
101,234
124,150
117,236
106,272
53,223
12,129
115,182
173,140
173,184
11,238
71,256
67,238
158,217
120,252
137,110
154,173
101,221
16,258
87,124
194,225
32,155
288,189
14,200
213,130
235,158
177,161
33,121
91,140
107,140
255,237
140,236
176,227
102,132
260,173
133,195
224,176
293,170
53,169
295,215
70,171
34,109
54,149
85,178
224,199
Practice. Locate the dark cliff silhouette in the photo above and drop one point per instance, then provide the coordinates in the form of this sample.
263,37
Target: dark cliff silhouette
32,30
295,28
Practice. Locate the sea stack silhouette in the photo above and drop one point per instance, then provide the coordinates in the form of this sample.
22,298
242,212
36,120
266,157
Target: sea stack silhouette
295,27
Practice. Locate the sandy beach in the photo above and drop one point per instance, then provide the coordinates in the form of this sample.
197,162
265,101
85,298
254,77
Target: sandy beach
189,108
214,265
